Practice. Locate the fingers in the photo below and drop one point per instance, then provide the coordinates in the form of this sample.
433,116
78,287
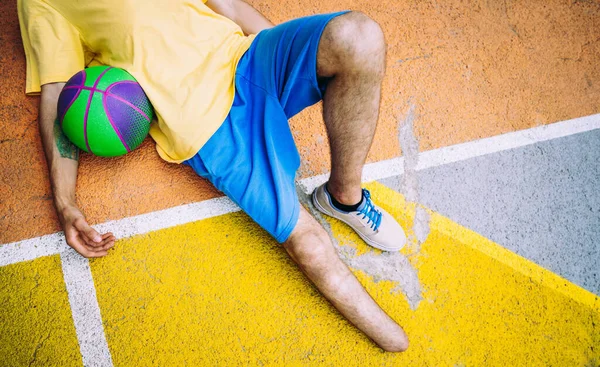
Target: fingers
106,238
83,238
85,230
108,241
87,248
79,245
92,251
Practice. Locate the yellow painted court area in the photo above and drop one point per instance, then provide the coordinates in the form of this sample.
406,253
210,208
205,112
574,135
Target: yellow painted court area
36,327
221,292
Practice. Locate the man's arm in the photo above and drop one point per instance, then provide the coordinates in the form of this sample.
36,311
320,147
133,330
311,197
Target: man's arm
63,159
249,19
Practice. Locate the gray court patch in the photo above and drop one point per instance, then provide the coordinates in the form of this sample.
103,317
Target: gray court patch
540,201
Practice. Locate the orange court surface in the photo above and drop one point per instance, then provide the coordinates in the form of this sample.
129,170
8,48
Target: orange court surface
192,281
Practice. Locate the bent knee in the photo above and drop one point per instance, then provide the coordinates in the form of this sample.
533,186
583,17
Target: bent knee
356,38
310,246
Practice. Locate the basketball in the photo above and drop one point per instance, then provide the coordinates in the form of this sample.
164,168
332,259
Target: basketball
103,110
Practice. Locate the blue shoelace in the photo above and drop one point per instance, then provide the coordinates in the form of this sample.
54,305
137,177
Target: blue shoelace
369,212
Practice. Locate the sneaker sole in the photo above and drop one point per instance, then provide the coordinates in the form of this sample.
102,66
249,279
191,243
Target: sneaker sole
372,243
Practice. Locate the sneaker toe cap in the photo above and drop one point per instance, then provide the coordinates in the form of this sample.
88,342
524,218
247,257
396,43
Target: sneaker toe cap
390,234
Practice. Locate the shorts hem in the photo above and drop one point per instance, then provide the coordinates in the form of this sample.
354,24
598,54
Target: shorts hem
289,228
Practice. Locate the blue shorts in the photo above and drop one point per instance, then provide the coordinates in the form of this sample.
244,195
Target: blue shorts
252,157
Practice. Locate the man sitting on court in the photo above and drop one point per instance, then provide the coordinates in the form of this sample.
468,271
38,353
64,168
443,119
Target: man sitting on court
224,82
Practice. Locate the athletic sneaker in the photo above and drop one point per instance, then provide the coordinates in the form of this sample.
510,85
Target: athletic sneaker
373,224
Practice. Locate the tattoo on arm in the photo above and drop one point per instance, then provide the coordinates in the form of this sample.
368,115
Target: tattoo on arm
64,145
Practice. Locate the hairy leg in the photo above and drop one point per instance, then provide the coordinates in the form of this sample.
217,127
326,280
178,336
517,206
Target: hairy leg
310,247
352,54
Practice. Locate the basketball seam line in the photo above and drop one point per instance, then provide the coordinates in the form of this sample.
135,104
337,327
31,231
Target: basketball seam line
74,98
94,90
87,109
126,101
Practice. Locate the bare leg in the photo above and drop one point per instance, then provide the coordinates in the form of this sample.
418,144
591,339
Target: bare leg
352,53
310,247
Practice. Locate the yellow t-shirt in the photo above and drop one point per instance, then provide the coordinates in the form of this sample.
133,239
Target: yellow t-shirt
182,53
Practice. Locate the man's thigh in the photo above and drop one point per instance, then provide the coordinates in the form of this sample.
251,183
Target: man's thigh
252,157
283,61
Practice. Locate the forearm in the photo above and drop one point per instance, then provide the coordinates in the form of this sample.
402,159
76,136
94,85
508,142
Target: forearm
61,155
249,19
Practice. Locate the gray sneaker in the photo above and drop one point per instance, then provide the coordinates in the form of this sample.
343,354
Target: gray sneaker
373,224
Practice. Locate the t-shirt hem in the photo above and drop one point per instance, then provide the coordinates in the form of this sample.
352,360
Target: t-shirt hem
206,136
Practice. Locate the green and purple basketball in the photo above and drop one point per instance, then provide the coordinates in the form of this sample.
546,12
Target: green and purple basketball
104,111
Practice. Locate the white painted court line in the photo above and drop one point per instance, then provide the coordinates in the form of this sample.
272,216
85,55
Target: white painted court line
512,140
371,172
54,243
33,248
85,310
460,152
166,218
140,224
